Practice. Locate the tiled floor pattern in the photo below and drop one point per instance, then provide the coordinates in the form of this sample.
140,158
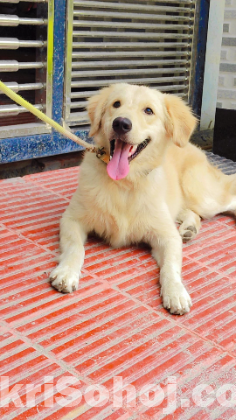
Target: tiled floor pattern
62,355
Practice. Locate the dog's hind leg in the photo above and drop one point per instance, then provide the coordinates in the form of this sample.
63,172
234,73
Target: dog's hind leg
190,224
231,204
217,195
207,191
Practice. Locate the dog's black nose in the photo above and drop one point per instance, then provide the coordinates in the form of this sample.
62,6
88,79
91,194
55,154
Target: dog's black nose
122,125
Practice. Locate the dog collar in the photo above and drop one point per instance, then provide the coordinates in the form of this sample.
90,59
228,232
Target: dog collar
102,155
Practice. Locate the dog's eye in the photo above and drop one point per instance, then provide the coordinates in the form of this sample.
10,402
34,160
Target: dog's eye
148,111
116,104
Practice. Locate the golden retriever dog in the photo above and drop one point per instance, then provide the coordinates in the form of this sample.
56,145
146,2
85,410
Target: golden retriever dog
153,179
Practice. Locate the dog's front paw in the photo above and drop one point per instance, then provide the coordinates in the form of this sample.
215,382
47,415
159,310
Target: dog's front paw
64,279
176,298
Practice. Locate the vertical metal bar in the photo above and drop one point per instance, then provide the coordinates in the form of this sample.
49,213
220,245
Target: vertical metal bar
190,64
50,42
58,61
198,54
68,59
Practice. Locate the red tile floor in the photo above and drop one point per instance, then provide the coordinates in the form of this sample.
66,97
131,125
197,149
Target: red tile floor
62,355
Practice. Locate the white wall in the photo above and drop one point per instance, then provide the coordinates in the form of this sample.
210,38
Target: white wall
212,64
226,95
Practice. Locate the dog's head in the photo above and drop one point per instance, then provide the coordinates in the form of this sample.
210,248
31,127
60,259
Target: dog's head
136,124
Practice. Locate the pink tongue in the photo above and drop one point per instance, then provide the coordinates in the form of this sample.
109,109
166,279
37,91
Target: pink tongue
118,167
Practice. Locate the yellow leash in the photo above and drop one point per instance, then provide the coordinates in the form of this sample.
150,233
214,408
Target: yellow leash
100,152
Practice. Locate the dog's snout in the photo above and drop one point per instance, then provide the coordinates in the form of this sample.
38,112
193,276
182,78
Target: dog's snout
122,125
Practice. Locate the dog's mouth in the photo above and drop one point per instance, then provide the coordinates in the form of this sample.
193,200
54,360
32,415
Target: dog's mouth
121,154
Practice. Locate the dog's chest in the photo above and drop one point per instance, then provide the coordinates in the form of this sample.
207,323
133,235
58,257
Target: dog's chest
119,215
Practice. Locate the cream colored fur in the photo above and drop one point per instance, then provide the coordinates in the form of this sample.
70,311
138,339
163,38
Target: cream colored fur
170,180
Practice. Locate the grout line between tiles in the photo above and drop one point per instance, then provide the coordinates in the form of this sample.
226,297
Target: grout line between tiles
173,320
42,351
47,189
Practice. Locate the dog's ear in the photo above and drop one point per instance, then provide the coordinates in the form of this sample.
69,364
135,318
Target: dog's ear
96,107
180,122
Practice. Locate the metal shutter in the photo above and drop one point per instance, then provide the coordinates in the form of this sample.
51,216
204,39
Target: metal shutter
26,48
142,42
